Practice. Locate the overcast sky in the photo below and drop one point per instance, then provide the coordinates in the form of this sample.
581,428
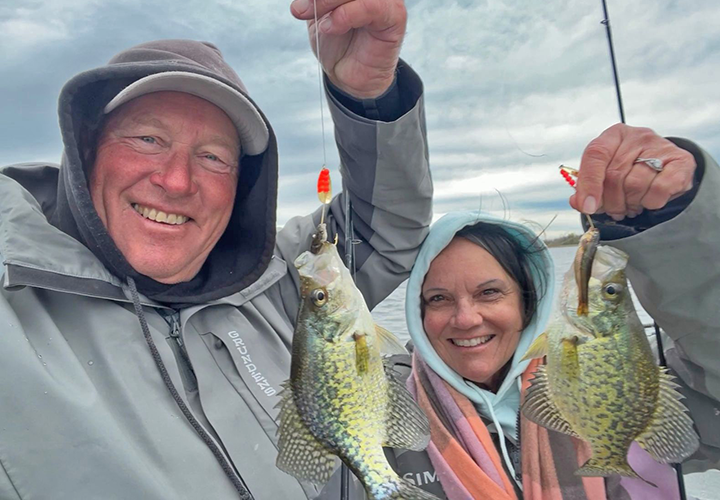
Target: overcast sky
513,88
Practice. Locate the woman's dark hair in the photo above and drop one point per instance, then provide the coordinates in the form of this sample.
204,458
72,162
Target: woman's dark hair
517,258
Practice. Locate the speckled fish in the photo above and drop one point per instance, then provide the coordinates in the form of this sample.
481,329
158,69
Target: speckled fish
341,401
601,382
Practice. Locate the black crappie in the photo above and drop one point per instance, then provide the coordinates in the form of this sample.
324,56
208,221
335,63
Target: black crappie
601,382
340,399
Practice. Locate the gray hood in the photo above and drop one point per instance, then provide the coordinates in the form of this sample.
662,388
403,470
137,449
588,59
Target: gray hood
243,252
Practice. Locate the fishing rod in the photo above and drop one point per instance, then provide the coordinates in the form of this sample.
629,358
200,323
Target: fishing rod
606,22
350,264
658,338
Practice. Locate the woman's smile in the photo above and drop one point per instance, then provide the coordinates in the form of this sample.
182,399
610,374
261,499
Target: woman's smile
472,311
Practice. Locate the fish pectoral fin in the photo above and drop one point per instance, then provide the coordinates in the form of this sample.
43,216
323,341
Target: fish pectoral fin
389,344
670,436
538,349
299,453
362,353
406,426
539,407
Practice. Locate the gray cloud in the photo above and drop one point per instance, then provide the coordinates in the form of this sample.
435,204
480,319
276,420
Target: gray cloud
513,88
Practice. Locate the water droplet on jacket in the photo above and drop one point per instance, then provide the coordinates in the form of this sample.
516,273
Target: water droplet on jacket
90,362
40,356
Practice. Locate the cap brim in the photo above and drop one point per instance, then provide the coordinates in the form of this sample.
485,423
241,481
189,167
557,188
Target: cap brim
252,130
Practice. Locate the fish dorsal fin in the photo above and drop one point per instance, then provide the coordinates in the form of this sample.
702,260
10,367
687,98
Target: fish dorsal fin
538,349
389,344
407,426
540,408
670,437
299,453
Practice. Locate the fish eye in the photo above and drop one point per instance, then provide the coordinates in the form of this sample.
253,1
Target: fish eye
612,290
319,297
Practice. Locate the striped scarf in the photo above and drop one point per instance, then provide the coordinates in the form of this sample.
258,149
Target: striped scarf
467,462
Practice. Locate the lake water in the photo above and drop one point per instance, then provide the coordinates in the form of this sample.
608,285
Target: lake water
390,313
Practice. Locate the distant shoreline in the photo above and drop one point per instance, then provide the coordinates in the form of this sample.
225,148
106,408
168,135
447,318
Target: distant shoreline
560,246
569,240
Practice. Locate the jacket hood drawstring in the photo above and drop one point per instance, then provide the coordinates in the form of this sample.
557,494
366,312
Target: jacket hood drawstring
501,438
226,466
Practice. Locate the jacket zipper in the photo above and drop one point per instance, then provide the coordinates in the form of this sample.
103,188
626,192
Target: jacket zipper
186,369
517,462
174,322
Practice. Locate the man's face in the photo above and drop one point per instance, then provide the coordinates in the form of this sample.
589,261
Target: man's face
164,182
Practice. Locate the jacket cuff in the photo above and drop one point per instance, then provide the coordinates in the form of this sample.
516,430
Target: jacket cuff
397,100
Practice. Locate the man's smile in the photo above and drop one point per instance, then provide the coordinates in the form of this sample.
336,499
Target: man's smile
159,216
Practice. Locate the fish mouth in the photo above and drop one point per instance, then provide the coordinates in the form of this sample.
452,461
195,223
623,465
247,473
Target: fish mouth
472,342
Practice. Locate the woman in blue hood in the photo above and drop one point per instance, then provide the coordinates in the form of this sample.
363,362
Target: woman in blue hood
479,294
481,291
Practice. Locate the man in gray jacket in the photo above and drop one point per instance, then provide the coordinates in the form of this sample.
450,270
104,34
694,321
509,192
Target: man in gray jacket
148,306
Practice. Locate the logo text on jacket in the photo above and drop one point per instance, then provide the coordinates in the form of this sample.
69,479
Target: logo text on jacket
258,377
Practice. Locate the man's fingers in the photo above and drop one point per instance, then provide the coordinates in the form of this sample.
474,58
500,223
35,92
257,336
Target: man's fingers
305,9
358,15
675,179
593,166
574,204
609,176
635,186
637,183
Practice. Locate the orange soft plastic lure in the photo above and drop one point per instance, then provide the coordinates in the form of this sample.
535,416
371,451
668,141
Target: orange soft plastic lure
324,186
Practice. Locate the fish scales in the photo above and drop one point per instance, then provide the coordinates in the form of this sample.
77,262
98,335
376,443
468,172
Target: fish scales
336,404
341,400
601,382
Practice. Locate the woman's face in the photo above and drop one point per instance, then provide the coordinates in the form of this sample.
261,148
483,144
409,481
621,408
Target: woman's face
472,311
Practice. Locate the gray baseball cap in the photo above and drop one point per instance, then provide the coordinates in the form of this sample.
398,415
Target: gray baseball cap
251,127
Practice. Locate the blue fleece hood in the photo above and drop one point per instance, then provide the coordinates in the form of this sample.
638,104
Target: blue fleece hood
501,407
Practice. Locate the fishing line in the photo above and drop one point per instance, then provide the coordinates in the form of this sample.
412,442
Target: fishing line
325,177
320,85
324,173
507,129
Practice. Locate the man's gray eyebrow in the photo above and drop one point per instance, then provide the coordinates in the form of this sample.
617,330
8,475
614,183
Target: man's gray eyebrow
147,119
226,142
151,120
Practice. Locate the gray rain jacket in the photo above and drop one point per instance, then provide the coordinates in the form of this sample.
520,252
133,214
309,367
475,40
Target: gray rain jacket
85,410
673,270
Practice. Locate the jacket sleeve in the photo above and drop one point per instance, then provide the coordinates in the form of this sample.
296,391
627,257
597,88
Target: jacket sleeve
675,272
385,171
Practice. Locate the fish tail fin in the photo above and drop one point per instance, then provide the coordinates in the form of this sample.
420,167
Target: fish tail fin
403,490
603,469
